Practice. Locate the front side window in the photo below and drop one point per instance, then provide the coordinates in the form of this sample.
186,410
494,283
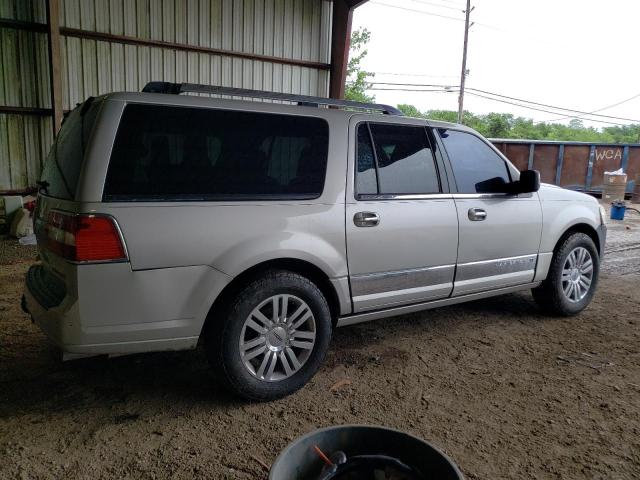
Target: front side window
181,153
477,168
399,162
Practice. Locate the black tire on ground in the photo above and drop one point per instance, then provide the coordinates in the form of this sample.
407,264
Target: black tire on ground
223,335
550,295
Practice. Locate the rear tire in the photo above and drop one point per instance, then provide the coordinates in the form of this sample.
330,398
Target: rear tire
572,278
271,338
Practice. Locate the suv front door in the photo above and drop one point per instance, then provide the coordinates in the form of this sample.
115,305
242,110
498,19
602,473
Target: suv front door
401,222
499,232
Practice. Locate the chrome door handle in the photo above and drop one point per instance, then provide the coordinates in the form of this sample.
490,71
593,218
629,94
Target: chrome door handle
366,219
477,214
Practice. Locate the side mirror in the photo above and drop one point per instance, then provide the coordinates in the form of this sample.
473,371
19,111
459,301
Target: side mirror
529,182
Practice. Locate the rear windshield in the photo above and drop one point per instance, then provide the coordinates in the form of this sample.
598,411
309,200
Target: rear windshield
62,167
180,153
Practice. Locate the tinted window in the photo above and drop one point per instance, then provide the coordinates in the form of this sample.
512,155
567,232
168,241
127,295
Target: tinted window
62,168
173,153
366,182
405,161
477,168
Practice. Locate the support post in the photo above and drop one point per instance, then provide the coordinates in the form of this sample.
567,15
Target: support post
592,158
559,164
532,148
340,42
463,73
55,74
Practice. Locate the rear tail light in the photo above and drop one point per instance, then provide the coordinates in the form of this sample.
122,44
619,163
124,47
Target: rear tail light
84,238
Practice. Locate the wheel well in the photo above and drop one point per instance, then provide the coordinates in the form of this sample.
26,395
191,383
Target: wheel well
580,228
301,267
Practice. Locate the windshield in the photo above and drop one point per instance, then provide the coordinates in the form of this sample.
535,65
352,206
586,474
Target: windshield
62,167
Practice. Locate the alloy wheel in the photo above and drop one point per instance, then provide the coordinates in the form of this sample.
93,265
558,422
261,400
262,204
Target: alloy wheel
577,274
277,337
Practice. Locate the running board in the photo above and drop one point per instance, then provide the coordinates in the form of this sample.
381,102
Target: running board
417,307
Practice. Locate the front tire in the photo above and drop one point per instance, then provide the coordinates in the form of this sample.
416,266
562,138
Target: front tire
272,337
572,278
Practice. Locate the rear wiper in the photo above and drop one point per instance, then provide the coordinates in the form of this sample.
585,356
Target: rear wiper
43,186
62,177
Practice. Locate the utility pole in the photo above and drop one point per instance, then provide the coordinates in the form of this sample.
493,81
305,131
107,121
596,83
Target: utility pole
463,74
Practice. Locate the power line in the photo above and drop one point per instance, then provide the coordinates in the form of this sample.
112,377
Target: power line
439,90
413,84
580,112
460,5
424,2
601,109
414,75
419,11
424,12
552,106
529,107
541,110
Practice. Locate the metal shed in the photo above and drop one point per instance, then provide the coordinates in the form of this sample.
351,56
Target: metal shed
56,53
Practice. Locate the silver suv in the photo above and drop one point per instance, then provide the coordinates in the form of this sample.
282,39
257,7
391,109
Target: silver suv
167,219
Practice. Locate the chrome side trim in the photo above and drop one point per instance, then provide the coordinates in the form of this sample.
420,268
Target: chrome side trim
423,196
465,287
372,283
390,312
401,297
481,195
464,196
499,266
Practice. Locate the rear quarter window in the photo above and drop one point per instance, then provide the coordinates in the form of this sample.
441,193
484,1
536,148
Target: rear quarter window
165,153
61,170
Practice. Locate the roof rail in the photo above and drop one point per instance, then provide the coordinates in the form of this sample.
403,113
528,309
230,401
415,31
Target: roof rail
306,100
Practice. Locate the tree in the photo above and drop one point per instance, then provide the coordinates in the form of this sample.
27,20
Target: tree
357,82
410,110
505,125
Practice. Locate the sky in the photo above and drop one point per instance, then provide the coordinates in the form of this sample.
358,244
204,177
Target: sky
577,54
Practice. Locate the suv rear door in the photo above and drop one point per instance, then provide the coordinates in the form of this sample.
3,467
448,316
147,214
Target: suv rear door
499,232
401,222
61,178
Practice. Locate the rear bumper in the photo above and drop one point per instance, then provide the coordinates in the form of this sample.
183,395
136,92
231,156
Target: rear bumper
110,309
45,299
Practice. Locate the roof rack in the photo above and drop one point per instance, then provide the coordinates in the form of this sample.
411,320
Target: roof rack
306,100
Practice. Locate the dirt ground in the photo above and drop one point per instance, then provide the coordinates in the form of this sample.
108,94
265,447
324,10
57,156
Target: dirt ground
507,392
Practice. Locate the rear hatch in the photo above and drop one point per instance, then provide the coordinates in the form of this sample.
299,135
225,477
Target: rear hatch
63,234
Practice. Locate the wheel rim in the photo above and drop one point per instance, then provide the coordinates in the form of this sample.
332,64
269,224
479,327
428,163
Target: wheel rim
277,337
577,274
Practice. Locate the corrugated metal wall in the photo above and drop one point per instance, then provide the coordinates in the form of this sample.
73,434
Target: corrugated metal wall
24,139
291,29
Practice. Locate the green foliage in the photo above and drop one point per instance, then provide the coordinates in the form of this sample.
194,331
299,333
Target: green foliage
505,125
358,79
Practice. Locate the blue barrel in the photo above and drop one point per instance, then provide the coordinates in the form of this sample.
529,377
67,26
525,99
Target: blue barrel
617,210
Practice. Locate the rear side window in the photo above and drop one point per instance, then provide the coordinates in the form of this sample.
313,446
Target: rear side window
400,161
181,153
61,170
477,168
